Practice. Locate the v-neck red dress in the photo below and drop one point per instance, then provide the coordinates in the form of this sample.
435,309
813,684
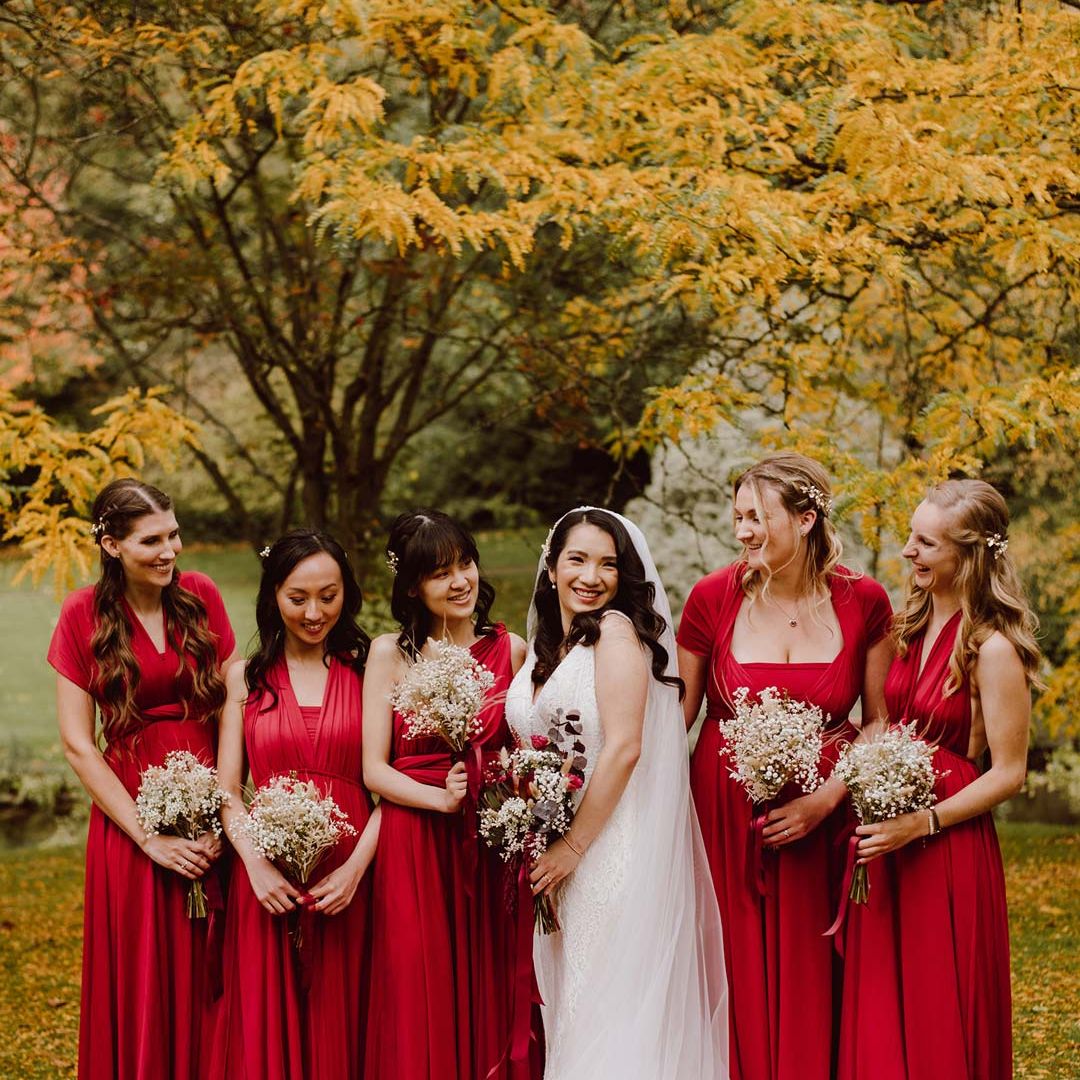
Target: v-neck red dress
926,979
146,1008
780,968
271,1026
443,938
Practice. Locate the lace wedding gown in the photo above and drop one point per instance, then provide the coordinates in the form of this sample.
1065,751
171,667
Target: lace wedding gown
633,985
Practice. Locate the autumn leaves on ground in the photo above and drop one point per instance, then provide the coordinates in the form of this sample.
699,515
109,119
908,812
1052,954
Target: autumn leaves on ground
41,931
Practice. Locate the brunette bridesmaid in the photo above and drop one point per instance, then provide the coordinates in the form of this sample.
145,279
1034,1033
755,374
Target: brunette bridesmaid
788,615
144,647
443,960
296,965
926,983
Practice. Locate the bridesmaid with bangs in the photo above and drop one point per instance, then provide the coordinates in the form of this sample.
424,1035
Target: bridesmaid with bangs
926,981
144,649
786,615
443,960
298,1010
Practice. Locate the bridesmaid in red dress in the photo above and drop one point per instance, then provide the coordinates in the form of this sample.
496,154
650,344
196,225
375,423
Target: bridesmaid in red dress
145,647
786,615
295,708
926,983
443,959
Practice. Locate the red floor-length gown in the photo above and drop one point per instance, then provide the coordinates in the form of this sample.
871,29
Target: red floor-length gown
926,980
271,1027
145,1006
780,967
443,939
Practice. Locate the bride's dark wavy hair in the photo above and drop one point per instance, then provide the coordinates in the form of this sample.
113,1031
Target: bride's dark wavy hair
346,640
421,542
634,597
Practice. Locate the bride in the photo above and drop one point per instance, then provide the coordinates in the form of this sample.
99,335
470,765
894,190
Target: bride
633,985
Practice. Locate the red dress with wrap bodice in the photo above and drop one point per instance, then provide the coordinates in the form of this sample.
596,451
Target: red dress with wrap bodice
780,967
289,1013
443,936
926,980
146,1006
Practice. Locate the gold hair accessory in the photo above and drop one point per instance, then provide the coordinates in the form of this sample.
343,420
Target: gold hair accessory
818,497
97,528
998,544
391,561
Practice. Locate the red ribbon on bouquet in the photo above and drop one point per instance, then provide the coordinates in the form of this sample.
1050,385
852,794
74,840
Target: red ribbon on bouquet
215,933
303,937
473,756
845,897
755,854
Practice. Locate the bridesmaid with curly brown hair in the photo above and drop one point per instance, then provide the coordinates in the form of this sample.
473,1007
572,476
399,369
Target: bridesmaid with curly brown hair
143,649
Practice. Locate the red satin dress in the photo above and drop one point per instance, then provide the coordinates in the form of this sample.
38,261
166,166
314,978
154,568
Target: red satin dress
289,1013
146,1007
443,959
926,979
776,905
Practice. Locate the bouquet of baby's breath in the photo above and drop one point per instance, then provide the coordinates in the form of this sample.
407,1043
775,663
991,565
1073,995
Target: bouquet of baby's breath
181,798
293,824
772,742
887,775
443,694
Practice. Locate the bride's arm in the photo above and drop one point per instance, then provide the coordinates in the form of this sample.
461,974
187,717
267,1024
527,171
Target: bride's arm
622,689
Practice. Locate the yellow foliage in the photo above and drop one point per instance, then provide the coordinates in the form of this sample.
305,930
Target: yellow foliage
47,513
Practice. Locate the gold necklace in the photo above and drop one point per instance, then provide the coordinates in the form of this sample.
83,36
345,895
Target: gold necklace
793,620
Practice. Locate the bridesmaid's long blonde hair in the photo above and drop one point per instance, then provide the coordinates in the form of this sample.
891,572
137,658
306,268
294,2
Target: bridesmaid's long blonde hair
987,584
802,484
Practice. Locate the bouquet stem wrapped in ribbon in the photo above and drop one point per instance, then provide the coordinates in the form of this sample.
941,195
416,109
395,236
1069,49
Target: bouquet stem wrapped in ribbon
771,742
291,823
886,775
181,798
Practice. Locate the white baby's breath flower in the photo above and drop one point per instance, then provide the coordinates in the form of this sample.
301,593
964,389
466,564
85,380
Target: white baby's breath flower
443,694
293,824
772,742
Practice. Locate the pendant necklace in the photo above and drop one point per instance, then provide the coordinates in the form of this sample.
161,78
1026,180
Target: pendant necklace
793,620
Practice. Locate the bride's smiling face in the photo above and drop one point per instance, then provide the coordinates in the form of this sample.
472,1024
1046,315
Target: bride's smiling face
586,573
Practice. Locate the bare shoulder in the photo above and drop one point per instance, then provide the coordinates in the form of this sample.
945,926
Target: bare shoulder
385,652
518,649
617,631
234,679
998,649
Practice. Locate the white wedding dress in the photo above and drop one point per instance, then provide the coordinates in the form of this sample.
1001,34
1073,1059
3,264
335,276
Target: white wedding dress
633,985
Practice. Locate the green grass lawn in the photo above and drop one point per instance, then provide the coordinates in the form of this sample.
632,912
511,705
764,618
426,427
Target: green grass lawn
27,709
41,926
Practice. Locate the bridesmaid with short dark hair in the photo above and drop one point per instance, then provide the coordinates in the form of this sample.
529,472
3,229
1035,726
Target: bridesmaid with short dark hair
296,996
443,958
926,978
143,648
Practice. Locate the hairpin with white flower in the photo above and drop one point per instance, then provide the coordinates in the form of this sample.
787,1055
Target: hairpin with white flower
265,552
997,544
818,497
392,561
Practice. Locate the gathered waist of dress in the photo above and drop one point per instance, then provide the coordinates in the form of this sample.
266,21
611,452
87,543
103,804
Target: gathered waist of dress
305,773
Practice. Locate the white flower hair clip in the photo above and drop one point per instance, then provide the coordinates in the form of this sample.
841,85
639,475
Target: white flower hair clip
97,528
997,544
392,561
265,551
818,497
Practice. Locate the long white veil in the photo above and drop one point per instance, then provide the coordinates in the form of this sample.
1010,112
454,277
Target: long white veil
657,1004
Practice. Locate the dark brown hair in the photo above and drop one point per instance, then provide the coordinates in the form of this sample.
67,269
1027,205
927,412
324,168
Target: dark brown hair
116,511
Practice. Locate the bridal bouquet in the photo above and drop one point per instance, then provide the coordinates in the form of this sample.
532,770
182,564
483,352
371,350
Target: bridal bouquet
442,695
772,742
293,824
887,775
181,798
530,798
